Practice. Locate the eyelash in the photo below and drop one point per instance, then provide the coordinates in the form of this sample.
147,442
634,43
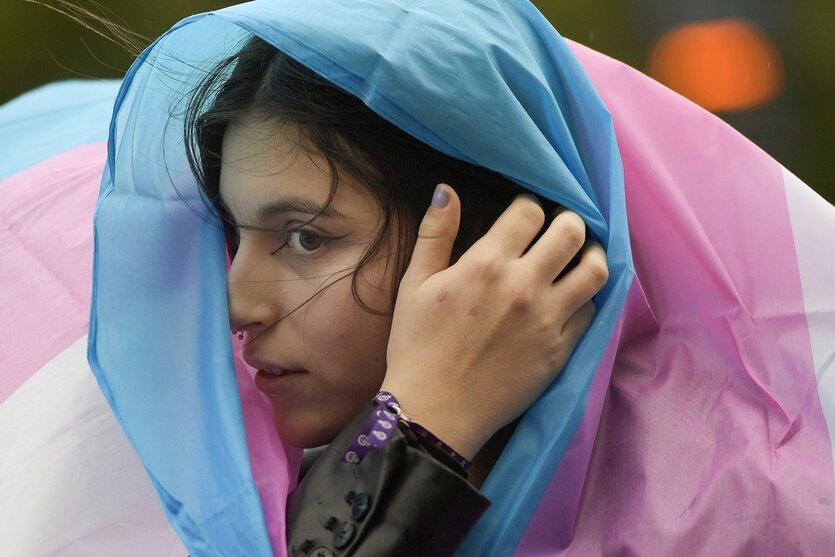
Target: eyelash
298,234
233,238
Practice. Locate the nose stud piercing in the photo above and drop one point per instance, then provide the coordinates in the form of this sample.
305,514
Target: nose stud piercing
240,333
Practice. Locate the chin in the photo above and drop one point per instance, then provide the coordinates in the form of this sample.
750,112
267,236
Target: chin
303,434
308,426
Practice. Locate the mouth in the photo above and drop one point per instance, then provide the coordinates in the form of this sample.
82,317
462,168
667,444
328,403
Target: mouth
274,380
276,372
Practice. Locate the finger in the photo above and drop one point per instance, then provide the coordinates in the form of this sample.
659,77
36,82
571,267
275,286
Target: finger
562,240
583,281
515,228
436,236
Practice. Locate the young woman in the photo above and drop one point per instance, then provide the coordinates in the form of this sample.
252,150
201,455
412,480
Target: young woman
716,371
340,287
383,239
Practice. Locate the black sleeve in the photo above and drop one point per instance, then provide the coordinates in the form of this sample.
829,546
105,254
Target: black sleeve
397,501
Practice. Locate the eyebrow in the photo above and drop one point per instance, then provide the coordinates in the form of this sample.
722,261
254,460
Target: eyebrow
297,205
293,205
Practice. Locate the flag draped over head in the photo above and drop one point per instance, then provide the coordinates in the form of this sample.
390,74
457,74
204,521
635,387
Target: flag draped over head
693,418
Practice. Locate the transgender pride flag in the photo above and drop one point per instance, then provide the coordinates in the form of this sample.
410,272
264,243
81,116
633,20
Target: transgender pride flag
70,484
694,418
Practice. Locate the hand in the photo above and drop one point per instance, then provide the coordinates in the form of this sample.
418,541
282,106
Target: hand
472,345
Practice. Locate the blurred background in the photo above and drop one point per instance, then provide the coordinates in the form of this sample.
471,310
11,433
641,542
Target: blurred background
767,67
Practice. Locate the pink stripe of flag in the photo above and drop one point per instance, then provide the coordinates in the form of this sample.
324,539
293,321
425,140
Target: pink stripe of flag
712,438
46,215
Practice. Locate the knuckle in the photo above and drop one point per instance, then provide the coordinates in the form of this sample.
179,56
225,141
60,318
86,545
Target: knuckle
574,229
532,212
598,272
520,298
430,230
544,325
484,267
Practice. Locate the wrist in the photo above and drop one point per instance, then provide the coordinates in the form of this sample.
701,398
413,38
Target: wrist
449,424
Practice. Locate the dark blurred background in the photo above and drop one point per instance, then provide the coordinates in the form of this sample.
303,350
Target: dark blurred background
765,66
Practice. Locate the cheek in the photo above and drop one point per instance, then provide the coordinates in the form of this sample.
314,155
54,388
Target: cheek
334,322
364,351
374,286
357,342
348,334
355,332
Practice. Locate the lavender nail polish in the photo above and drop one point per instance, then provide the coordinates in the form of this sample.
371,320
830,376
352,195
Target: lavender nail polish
441,196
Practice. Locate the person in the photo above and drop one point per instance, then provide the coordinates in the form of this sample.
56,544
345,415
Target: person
338,290
364,256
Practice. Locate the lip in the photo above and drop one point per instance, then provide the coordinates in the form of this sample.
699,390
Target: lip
272,378
276,379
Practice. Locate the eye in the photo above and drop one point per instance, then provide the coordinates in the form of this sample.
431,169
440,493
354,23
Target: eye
304,241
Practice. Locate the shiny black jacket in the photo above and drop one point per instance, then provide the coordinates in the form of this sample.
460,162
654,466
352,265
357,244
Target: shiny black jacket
408,499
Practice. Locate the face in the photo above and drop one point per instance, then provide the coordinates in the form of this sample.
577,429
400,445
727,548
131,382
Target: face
320,356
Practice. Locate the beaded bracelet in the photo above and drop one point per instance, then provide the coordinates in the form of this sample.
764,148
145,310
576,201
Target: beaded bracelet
377,430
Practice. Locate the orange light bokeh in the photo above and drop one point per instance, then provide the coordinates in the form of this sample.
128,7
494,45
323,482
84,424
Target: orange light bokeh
723,65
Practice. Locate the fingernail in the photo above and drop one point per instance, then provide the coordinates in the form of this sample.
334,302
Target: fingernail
441,196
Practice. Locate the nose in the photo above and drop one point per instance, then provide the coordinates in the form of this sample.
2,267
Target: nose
251,292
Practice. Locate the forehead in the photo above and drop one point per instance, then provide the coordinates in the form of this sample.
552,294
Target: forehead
259,153
264,164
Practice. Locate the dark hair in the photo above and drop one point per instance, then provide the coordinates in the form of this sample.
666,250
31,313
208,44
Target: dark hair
399,170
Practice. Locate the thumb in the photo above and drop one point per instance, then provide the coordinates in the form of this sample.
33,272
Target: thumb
436,235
